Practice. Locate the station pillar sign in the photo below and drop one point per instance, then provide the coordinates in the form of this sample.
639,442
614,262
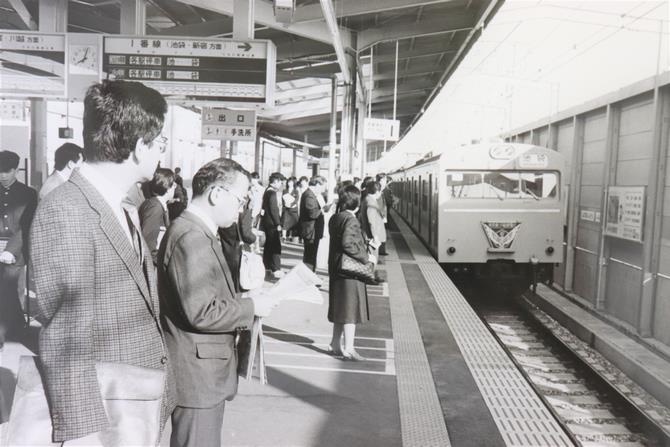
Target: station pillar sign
32,65
226,124
196,70
381,129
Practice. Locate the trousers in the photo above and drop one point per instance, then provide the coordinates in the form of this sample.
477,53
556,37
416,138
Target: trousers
309,255
197,427
272,250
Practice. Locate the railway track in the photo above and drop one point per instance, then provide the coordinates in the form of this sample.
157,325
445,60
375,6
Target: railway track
597,404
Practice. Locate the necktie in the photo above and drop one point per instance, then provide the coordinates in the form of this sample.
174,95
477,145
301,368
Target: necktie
135,236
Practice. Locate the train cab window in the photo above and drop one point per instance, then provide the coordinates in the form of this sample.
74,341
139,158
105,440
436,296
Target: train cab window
502,185
424,193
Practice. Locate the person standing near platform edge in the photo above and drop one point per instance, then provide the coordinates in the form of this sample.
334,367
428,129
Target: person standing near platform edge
202,314
347,297
271,224
95,284
311,219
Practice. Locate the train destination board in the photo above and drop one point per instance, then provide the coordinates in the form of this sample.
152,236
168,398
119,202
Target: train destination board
32,65
195,70
226,124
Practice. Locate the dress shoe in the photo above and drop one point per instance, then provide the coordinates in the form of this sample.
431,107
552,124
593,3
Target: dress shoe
352,356
334,352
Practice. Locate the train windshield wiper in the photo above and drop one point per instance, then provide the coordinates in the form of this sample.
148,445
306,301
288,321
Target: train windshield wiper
532,194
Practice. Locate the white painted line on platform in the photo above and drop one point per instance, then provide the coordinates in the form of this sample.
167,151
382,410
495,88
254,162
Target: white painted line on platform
319,368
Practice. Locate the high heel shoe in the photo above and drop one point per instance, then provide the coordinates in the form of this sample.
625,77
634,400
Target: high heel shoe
353,356
334,352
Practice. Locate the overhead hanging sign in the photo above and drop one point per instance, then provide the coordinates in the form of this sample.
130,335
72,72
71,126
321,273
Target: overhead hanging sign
196,70
625,212
226,124
381,129
32,65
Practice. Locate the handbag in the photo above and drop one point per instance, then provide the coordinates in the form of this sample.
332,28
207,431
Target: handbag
252,269
357,270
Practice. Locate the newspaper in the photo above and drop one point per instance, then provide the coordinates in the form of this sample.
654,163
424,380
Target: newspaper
300,284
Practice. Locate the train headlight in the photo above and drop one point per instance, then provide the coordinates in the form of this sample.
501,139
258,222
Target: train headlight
534,260
550,250
451,250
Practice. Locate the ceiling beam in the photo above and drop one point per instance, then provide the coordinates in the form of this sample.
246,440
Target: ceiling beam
459,21
348,8
334,29
264,15
24,14
417,53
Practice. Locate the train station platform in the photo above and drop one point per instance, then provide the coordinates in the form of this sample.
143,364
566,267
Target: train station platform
433,375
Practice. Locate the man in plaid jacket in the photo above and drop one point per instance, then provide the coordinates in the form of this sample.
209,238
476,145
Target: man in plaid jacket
96,285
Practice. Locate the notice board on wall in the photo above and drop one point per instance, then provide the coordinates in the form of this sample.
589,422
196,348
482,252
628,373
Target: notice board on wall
625,212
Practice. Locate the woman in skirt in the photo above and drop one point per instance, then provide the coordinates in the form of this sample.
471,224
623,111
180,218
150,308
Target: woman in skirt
347,297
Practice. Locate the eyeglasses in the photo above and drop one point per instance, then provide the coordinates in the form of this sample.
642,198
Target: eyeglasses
161,141
241,200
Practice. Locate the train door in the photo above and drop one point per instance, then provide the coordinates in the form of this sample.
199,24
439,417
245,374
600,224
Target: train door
424,211
418,205
430,210
435,215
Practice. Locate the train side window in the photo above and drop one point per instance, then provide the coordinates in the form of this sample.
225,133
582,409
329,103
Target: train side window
502,185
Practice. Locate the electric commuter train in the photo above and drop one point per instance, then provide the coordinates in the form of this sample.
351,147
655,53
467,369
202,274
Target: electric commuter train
490,211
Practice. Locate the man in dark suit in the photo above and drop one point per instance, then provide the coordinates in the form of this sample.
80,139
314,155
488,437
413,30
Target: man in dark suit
180,200
67,158
96,288
311,219
201,312
271,224
153,212
17,206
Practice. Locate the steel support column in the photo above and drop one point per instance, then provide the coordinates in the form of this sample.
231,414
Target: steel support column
133,17
611,156
243,29
333,138
52,17
574,199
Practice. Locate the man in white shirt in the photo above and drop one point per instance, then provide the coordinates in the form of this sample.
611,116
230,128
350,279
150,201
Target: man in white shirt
95,283
67,158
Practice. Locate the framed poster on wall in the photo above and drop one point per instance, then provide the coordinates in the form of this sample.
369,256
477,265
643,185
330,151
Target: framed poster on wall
625,212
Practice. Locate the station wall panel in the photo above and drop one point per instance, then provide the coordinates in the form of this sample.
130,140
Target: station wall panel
585,275
541,136
623,292
633,160
662,310
565,143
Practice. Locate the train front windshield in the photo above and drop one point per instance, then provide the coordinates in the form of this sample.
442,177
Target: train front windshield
502,185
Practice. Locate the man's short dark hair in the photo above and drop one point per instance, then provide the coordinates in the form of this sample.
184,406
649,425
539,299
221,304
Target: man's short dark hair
177,170
380,176
276,176
68,152
317,180
222,171
116,115
349,198
9,160
303,179
162,181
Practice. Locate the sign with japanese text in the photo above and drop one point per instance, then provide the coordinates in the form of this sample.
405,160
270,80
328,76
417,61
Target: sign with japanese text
32,65
196,70
381,129
226,124
625,212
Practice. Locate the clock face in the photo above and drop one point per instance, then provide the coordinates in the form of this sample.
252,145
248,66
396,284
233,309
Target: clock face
83,59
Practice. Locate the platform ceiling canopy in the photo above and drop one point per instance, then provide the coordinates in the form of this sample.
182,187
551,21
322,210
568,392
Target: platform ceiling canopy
433,37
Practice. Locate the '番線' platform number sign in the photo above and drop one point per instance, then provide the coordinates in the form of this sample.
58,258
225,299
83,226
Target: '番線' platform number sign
32,65
192,70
